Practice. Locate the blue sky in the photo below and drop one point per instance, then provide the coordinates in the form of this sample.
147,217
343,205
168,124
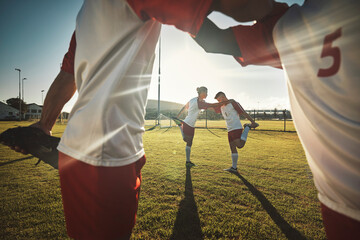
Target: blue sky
35,36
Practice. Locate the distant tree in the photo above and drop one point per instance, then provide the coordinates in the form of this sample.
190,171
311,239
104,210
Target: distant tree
14,102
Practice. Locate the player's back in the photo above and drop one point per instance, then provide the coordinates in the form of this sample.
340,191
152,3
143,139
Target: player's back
319,49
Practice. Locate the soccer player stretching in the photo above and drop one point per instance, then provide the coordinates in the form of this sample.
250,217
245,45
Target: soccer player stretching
187,127
237,137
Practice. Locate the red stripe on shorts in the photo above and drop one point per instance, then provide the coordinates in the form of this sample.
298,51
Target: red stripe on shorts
99,202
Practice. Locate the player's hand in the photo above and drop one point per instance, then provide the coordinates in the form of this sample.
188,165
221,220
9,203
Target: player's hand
35,125
254,125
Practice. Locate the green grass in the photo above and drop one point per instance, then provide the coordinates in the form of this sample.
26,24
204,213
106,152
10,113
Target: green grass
272,197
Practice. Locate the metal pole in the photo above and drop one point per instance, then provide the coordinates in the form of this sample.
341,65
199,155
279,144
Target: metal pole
23,95
206,115
159,80
19,70
285,120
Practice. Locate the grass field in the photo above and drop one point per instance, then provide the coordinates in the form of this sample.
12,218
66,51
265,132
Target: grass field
271,125
272,197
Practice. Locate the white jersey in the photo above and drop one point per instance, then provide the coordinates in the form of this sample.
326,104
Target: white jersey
231,116
194,108
319,47
113,63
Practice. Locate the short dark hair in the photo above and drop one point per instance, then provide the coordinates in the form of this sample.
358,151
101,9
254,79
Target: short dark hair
219,94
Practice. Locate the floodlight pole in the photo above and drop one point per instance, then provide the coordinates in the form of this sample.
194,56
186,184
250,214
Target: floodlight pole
159,81
19,70
23,95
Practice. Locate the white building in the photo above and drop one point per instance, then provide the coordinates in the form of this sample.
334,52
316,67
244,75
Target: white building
33,111
7,112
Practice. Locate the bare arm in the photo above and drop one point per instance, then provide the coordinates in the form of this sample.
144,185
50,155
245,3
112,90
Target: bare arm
248,117
215,105
60,92
215,40
186,106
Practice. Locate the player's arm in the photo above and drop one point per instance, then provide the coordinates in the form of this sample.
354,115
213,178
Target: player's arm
60,92
205,105
188,15
243,10
186,106
215,40
240,110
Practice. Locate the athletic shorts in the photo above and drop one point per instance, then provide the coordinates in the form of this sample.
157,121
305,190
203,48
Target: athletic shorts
339,226
234,134
99,202
188,130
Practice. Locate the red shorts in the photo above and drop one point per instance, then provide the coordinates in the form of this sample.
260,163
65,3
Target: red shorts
339,226
99,202
188,130
234,134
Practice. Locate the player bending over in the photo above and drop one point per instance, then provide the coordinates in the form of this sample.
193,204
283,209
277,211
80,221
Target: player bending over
237,137
187,127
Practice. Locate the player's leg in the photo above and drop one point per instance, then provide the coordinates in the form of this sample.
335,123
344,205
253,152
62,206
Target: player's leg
99,202
245,133
178,123
188,138
234,137
234,158
189,141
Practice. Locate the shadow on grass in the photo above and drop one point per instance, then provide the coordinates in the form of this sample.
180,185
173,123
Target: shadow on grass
187,223
290,232
16,160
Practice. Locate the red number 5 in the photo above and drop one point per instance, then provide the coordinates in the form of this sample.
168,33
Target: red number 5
330,51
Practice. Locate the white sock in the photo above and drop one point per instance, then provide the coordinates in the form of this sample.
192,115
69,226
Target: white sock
245,133
187,151
234,157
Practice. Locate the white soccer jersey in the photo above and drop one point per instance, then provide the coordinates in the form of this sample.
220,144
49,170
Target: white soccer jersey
194,108
319,47
231,116
113,62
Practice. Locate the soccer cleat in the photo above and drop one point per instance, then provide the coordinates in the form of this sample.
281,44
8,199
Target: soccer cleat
177,121
190,164
233,170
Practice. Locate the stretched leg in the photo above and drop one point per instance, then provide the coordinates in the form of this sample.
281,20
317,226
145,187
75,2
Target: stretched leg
188,140
234,155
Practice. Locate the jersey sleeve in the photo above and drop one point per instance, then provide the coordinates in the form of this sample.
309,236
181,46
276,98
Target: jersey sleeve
186,15
256,42
238,108
68,60
203,104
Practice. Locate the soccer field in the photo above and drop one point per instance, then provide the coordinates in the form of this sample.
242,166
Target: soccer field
272,197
